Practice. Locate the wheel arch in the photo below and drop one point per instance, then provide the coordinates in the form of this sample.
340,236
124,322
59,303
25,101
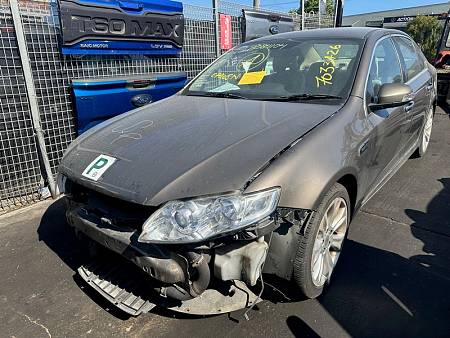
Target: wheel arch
350,183
347,177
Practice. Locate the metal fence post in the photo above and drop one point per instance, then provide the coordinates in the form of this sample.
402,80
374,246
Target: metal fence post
31,91
215,5
303,15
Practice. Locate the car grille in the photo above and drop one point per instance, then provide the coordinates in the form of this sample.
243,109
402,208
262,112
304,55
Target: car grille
110,209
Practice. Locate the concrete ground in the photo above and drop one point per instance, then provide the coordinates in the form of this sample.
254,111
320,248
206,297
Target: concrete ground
393,279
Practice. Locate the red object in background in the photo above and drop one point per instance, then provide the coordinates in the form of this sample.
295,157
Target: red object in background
225,32
442,59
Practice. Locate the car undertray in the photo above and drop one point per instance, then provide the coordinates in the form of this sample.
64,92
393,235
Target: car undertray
131,290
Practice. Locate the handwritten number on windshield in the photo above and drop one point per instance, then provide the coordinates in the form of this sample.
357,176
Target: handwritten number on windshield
329,66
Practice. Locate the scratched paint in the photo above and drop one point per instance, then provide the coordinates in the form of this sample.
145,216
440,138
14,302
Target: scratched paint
133,132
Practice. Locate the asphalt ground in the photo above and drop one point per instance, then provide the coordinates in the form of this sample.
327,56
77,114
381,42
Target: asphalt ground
393,279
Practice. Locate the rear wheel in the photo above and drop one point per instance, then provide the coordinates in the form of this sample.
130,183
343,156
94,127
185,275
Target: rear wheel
426,133
320,246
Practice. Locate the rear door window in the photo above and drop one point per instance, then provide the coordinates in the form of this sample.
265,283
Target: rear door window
411,60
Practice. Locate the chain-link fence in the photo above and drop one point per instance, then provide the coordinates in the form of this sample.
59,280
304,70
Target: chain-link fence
23,175
313,21
20,173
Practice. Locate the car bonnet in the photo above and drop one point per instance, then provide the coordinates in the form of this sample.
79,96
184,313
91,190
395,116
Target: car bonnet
188,146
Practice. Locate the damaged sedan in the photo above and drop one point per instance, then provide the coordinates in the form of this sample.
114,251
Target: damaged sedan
256,167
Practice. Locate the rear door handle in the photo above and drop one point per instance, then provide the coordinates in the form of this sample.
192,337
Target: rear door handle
409,106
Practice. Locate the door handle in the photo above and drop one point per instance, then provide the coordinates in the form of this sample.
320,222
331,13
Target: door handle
409,106
363,147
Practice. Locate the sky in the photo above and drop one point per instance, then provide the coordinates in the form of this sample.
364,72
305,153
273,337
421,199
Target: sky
351,6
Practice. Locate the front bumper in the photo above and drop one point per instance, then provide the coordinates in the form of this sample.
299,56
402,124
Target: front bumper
158,262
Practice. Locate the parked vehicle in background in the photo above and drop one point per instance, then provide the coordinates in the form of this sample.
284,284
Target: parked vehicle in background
258,165
442,64
96,100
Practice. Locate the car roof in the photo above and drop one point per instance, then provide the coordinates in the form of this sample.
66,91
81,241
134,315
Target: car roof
341,32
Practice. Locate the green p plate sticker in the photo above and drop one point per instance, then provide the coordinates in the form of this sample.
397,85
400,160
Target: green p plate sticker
97,167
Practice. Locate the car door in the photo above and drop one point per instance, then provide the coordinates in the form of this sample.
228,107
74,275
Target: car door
385,142
420,80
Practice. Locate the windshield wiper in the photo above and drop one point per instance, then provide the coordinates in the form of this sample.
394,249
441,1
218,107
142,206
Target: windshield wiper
226,95
305,97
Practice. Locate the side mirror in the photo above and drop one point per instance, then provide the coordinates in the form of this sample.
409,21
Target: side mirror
392,95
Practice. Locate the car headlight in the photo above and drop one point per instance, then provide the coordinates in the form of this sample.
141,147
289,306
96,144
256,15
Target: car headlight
201,218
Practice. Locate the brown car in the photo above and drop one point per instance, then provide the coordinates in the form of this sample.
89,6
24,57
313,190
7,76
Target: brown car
257,166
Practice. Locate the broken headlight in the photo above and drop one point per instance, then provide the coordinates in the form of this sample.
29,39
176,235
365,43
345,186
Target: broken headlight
201,218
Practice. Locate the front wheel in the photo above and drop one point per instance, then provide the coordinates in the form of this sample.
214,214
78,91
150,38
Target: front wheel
320,246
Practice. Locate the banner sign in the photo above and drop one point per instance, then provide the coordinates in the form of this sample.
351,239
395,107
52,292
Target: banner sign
406,19
225,32
151,27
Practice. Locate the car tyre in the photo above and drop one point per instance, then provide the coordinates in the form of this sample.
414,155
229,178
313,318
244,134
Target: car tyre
317,236
426,133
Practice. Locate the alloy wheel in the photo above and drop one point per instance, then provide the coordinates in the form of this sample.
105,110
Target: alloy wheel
427,129
329,240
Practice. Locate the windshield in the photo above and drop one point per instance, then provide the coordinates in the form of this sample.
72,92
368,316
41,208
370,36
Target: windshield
282,69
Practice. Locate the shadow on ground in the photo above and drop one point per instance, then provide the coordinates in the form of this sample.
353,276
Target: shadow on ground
436,257
445,107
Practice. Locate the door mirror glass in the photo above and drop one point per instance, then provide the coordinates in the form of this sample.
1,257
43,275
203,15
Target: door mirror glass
392,95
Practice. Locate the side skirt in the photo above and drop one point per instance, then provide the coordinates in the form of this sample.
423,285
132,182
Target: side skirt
391,173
